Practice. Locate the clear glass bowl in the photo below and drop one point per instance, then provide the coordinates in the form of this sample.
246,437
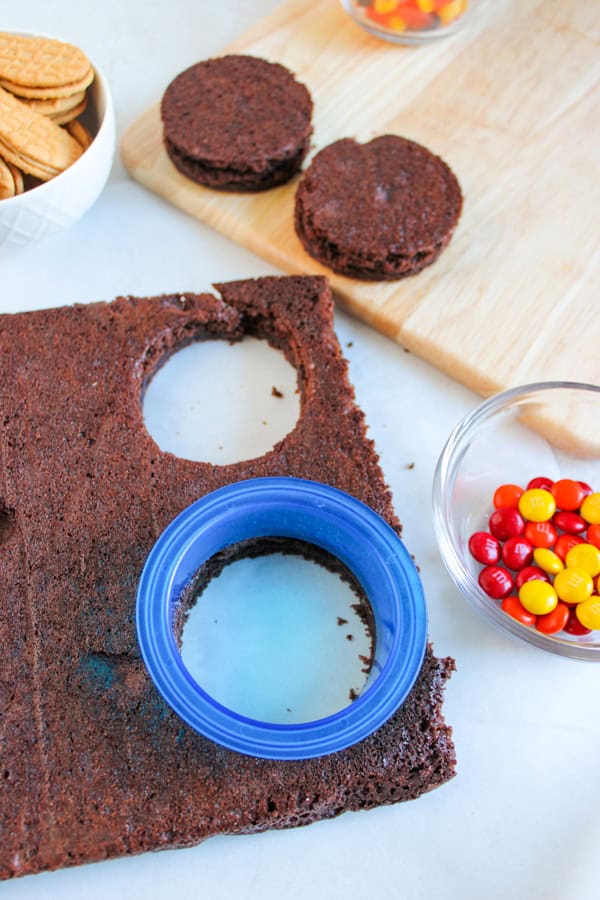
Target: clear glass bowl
550,429
407,21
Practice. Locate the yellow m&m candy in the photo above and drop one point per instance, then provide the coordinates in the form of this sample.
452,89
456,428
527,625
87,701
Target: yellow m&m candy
383,7
538,597
537,505
588,612
590,509
450,11
573,585
584,556
547,560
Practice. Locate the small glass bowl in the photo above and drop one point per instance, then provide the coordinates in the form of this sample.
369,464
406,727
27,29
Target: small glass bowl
550,429
407,21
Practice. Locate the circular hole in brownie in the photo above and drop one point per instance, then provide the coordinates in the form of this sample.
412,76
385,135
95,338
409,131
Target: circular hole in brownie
276,630
222,403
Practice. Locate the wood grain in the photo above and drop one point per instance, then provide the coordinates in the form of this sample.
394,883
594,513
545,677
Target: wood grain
512,104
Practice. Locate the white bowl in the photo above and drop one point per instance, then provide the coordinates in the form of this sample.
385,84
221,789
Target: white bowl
58,203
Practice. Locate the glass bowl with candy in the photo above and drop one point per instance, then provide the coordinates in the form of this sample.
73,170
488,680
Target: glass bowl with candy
517,514
407,21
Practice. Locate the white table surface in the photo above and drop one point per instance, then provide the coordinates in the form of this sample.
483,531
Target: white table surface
521,817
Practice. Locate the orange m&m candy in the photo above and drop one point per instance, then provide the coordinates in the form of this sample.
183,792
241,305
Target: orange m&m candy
507,495
514,608
541,534
568,494
413,17
593,535
554,621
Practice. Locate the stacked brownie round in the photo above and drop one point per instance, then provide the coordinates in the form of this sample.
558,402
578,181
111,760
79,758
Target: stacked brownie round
377,211
237,123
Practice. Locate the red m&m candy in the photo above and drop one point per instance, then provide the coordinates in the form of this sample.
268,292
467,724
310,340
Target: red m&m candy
496,582
574,626
530,573
517,553
484,547
506,523
548,536
569,522
540,483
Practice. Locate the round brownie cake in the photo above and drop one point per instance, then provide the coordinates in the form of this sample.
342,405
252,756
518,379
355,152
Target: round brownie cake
377,211
237,123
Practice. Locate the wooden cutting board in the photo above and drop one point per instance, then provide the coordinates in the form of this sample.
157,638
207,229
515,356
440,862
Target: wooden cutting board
512,104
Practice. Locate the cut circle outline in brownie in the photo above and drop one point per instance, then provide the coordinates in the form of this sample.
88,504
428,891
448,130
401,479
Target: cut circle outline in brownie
237,123
96,764
303,510
377,211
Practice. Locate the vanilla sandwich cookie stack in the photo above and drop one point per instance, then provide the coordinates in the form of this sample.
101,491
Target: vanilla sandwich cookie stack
43,86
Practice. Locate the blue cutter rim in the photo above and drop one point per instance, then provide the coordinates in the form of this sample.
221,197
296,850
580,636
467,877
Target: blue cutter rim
321,515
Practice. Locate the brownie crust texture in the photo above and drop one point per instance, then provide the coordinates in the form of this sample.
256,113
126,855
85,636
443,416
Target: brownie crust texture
237,123
378,211
95,764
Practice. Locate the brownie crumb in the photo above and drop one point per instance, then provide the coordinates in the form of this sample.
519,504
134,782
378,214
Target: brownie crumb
276,392
342,621
410,466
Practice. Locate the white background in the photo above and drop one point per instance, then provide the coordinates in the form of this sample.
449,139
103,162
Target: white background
521,818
